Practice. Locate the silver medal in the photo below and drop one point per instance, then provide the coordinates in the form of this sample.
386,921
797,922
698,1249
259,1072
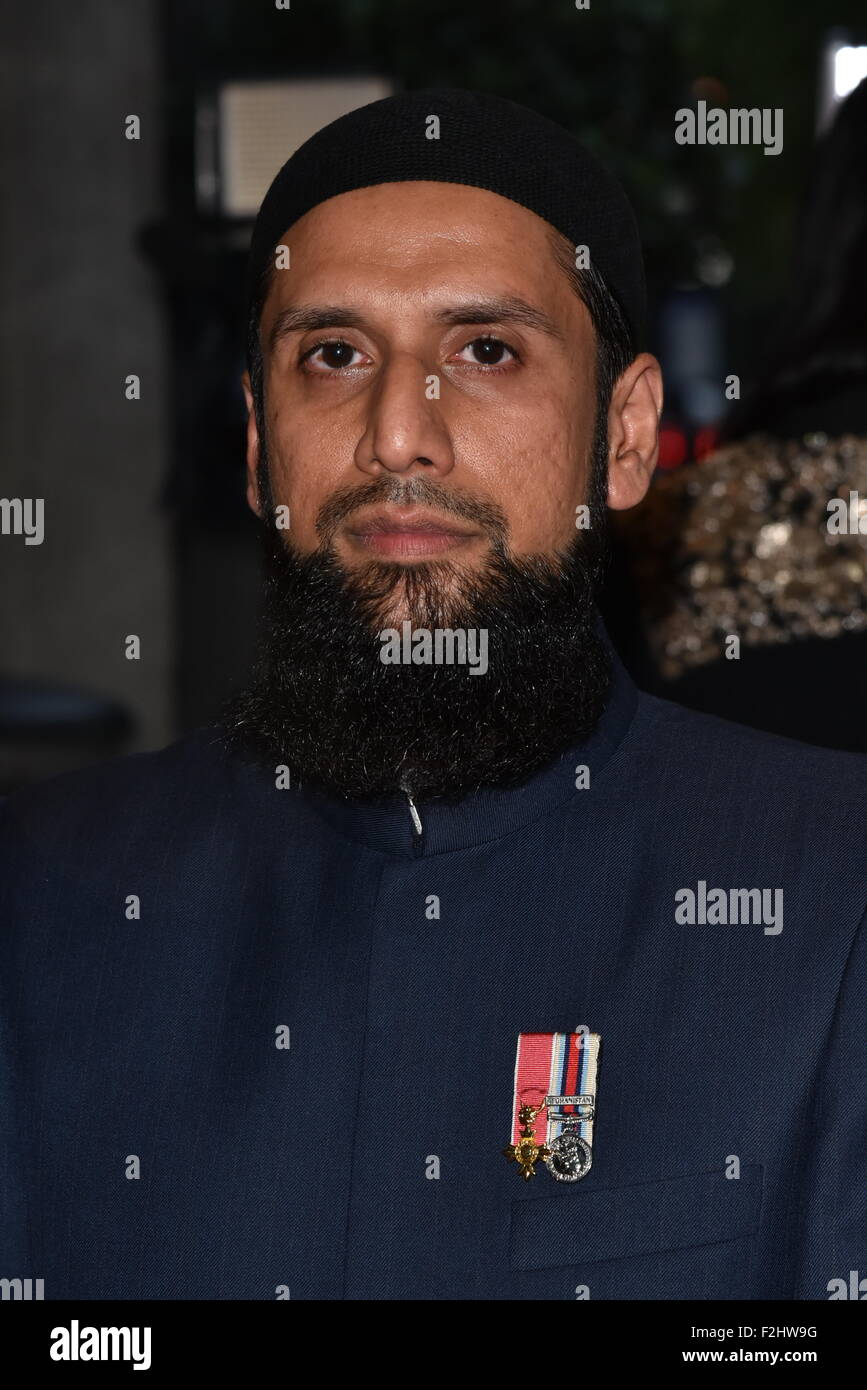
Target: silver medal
570,1156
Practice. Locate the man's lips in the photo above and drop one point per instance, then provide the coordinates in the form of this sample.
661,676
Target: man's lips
406,534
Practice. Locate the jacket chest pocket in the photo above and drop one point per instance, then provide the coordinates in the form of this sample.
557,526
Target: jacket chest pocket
575,1227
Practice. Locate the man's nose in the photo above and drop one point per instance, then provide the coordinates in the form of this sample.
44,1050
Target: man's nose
406,429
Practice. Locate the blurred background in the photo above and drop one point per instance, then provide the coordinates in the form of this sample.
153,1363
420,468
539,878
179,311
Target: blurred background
122,262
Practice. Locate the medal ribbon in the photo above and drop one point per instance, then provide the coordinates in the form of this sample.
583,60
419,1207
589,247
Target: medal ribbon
554,1064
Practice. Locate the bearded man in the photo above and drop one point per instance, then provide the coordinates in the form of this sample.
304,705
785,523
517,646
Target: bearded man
417,976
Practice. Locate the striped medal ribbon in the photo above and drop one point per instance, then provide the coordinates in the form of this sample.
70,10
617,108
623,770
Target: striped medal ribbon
554,1103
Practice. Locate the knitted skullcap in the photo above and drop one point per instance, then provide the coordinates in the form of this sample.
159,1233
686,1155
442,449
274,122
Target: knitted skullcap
483,140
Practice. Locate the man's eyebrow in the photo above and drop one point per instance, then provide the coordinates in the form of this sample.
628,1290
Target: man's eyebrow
509,309
313,316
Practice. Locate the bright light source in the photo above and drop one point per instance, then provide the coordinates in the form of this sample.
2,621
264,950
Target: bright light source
850,68
842,66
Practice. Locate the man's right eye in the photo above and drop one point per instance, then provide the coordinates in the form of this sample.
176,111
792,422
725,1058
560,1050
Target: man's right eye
334,355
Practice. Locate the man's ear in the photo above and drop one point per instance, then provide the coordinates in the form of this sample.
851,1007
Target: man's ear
633,431
253,499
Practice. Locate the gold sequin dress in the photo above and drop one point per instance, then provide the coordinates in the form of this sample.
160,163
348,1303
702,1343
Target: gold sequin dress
741,545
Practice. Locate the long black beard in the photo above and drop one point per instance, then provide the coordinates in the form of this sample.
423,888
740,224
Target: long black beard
321,700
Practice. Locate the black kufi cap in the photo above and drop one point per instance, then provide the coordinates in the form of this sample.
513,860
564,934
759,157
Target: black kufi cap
483,140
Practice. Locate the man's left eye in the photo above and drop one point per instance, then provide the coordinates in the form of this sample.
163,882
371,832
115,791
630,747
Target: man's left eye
489,352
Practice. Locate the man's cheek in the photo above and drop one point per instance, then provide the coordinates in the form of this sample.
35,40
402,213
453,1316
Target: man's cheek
540,495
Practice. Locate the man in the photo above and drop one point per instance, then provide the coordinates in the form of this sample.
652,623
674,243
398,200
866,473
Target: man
448,965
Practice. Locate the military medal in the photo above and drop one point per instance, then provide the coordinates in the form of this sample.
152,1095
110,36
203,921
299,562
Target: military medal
570,1155
554,1103
527,1152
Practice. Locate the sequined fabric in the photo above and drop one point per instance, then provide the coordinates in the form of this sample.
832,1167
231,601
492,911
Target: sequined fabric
740,544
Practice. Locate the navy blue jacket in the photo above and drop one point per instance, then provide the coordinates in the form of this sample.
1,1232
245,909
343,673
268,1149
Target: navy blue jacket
158,1143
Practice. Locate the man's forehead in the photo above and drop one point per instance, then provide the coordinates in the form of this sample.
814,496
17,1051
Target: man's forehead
415,218
447,243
